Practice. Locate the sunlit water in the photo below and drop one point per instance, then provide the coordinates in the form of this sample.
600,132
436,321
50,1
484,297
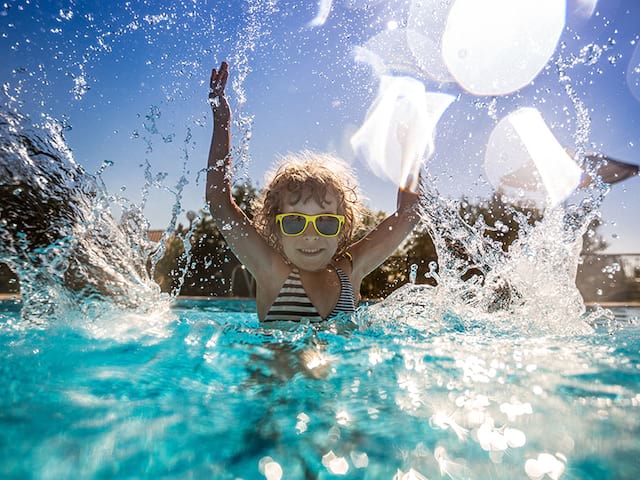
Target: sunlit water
505,377
218,397
502,375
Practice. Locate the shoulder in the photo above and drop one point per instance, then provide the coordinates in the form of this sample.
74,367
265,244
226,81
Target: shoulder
344,261
269,284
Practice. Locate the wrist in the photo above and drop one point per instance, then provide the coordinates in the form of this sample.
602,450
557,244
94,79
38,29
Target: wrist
408,201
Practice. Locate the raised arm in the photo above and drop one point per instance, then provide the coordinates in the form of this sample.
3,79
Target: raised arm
218,190
378,245
239,233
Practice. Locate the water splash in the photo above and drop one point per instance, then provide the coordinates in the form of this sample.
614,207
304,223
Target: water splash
478,282
528,288
58,234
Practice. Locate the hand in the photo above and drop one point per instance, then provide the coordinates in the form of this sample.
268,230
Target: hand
217,98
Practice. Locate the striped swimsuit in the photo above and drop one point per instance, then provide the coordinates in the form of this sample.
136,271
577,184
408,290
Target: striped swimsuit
293,304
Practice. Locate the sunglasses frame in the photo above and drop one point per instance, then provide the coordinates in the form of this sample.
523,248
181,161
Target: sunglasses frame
310,219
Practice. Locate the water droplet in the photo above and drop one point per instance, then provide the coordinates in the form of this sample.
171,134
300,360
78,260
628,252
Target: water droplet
413,273
66,14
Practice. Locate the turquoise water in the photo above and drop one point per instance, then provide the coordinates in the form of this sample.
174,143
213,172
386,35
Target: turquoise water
502,376
207,393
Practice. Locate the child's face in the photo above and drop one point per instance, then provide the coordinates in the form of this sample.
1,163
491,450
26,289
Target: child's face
310,251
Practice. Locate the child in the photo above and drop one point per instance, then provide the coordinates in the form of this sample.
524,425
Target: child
299,248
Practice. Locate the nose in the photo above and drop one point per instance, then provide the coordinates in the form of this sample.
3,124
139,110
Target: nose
310,231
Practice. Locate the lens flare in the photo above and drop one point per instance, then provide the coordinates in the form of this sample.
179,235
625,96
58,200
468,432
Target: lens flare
583,8
324,9
270,468
633,73
545,464
524,155
496,47
425,27
336,465
397,134
410,475
447,466
388,53
361,4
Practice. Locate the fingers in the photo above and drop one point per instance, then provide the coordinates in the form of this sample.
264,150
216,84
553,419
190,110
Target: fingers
223,75
218,80
212,80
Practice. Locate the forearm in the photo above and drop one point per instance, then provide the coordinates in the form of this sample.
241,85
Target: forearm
218,190
407,204
397,227
382,241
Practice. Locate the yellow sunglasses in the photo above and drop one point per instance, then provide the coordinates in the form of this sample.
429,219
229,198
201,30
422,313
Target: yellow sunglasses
294,224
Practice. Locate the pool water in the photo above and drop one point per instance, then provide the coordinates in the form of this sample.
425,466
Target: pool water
208,393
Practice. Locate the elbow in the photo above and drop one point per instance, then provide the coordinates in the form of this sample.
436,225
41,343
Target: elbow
220,202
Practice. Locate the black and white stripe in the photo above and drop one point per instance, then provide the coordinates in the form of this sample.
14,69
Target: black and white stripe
293,304
346,302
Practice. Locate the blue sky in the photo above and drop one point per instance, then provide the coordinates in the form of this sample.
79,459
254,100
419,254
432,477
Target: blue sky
130,80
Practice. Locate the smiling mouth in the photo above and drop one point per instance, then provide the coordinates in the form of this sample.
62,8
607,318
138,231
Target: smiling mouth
310,251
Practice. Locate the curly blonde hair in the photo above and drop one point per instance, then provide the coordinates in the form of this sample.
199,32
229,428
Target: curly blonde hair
316,175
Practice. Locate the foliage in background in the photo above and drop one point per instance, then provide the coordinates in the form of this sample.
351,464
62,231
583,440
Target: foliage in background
208,267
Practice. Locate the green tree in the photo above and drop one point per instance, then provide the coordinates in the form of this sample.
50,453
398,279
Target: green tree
207,267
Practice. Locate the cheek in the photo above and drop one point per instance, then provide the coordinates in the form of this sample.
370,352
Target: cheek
335,243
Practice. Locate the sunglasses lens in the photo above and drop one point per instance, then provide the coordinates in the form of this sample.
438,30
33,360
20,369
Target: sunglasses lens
327,225
293,224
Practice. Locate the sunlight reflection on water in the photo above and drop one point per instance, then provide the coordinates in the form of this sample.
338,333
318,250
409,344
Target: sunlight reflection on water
218,393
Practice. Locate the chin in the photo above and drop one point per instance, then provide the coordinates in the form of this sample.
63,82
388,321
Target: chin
311,267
